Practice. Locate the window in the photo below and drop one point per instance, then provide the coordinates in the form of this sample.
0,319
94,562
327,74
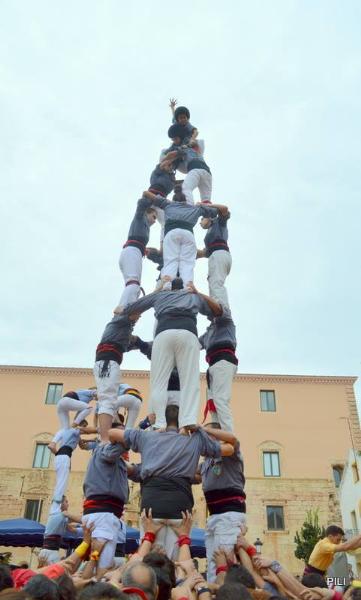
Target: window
275,518
355,473
41,456
54,393
271,464
33,509
268,401
337,474
354,522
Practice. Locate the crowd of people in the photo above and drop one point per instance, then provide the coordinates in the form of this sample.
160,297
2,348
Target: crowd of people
175,451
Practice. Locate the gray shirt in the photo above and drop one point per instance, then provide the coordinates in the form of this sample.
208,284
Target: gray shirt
139,227
218,231
67,437
221,332
181,211
172,302
225,474
107,472
118,331
168,453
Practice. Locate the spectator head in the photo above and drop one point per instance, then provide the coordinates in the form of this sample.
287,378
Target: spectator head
6,581
335,534
66,587
101,591
42,588
140,576
83,423
171,415
239,574
165,573
311,580
233,591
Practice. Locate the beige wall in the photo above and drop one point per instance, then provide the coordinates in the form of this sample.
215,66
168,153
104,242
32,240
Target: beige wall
306,429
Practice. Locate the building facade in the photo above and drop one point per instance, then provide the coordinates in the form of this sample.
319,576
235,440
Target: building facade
294,433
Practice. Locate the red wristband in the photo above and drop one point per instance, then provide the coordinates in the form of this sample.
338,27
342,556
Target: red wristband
221,569
149,536
251,551
184,539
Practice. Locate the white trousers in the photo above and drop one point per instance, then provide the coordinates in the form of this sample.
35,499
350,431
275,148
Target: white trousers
221,532
219,266
166,537
65,405
107,527
179,254
130,263
173,397
107,387
133,406
48,557
201,179
175,348
221,376
160,219
62,470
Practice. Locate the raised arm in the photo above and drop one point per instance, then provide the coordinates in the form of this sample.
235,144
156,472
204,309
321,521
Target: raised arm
222,209
214,306
116,435
221,435
351,544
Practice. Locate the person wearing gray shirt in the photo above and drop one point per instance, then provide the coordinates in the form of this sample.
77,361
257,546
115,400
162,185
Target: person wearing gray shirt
179,246
223,487
131,257
169,461
175,345
219,257
67,439
219,342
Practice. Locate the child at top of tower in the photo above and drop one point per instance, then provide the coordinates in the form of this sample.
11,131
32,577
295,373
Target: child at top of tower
181,116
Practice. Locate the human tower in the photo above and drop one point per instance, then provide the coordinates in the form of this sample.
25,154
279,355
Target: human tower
169,440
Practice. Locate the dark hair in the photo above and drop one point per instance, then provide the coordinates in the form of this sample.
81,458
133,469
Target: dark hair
311,580
233,591
239,574
177,283
171,415
67,590
356,594
334,530
40,587
98,591
181,110
161,561
177,130
6,581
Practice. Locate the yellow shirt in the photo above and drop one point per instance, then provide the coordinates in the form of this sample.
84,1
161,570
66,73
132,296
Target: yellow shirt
322,555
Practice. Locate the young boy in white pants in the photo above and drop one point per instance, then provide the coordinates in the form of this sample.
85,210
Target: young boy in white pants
220,343
75,402
115,340
219,257
131,399
67,439
179,247
131,257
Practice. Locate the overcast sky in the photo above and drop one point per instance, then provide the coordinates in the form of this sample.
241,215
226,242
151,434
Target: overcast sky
274,89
